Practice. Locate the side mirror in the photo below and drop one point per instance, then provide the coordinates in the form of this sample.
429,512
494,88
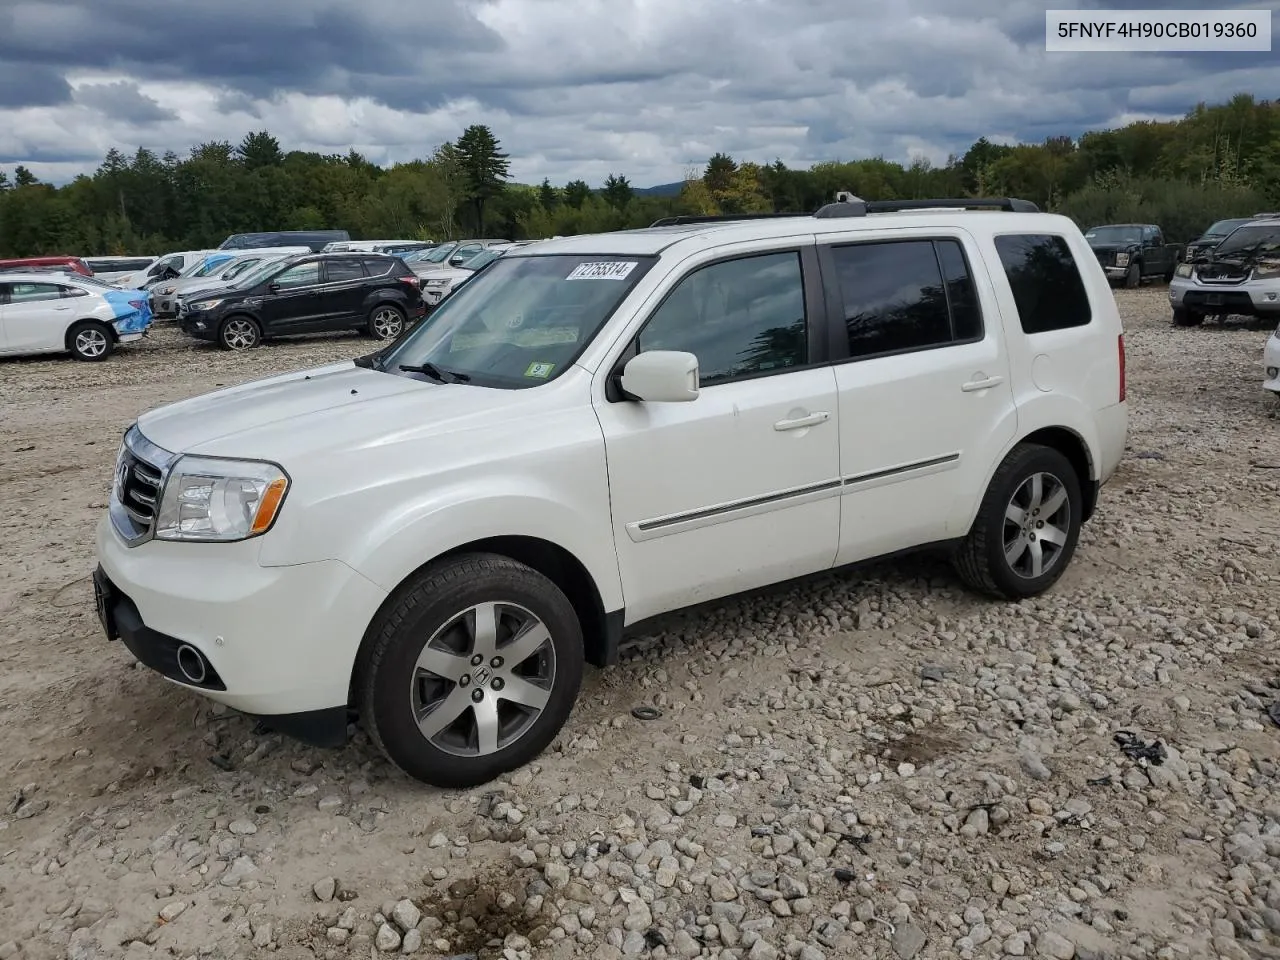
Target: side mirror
662,376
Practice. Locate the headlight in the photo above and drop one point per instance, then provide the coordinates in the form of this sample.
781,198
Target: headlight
1267,269
207,305
220,500
435,283
165,291
1184,270
1122,259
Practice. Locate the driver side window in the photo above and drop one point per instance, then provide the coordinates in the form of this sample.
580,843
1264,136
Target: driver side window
303,275
741,318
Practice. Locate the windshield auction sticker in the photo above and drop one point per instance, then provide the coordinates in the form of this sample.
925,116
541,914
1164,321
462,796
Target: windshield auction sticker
605,270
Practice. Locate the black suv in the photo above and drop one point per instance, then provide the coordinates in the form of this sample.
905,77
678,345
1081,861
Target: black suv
307,293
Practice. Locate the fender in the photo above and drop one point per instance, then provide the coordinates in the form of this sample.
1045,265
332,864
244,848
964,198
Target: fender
405,539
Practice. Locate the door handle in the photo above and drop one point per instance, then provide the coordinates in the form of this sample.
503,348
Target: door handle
62,308
973,385
798,423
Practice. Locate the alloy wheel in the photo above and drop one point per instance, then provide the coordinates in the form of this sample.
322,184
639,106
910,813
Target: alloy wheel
1036,524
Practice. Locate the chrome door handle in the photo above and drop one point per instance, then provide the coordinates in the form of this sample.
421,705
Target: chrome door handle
973,385
811,420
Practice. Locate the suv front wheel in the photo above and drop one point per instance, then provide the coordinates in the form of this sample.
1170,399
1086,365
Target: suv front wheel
472,671
1027,527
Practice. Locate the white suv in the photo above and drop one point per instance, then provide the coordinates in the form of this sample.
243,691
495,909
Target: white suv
599,429
1241,276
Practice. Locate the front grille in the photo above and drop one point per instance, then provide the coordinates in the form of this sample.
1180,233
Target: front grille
1221,273
137,488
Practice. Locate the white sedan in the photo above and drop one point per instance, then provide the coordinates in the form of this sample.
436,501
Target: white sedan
56,313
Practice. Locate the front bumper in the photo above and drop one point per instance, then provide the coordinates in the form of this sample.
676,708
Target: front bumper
1115,273
202,326
1254,298
1271,364
433,295
277,641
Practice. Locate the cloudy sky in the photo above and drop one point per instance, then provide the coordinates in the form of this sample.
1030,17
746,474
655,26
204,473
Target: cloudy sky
576,88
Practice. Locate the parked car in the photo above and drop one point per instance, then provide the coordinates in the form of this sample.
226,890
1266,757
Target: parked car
1134,252
216,270
1271,363
87,318
377,246
1241,276
441,259
113,269
316,293
604,428
315,240
441,283
425,261
168,267
69,264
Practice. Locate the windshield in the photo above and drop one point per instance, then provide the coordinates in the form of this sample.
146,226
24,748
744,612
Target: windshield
481,258
1114,235
439,254
240,266
1224,227
256,275
1245,239
522,321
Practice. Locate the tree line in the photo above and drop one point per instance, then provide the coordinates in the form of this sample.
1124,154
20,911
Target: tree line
1217,161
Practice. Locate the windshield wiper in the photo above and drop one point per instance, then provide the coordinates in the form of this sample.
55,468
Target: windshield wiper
436,373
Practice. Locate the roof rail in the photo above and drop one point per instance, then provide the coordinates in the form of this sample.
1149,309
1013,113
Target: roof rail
860,208
718,218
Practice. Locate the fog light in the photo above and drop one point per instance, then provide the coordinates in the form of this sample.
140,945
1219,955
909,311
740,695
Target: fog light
1273,372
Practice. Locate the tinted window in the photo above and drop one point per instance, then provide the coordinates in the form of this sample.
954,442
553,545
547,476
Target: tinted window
893,297
1045,281
303,275
739,317
31,292
962,297
339,270
377,267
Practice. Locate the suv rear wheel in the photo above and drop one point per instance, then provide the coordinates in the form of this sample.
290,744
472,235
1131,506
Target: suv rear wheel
472,671
1027,527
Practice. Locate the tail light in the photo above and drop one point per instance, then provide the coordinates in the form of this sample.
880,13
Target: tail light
412,280
1122,371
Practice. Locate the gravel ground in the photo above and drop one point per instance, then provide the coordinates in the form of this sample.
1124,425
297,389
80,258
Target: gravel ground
869,764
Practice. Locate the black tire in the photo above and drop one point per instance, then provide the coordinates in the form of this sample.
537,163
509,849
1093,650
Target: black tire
1133,276
434,600
239,332
386,322
1182,317
981,560
91,341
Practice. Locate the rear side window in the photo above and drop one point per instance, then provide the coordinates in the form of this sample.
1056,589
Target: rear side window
339,270
32,292
1046,283
377,266
906,295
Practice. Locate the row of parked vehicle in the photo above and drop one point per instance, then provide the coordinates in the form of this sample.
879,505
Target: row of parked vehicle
236,295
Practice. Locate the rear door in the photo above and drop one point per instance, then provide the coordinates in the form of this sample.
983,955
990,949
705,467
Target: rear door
341,296
36,317
926,403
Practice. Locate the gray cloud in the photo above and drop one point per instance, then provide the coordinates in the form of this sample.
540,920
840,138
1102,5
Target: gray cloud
578,88
123,100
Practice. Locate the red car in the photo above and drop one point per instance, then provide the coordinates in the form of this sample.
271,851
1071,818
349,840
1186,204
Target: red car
69,264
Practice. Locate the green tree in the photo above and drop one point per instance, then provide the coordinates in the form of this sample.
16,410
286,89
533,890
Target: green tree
719,173
259,150
485,168
22,177
547,195
576,193
617,192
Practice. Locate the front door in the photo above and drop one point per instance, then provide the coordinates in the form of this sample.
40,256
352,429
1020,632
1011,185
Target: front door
739,487
926,404
292,302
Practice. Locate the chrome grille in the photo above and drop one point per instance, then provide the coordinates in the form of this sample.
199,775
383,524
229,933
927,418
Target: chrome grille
139,482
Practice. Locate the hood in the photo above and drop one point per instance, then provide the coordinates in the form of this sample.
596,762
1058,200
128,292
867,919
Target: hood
304,414
1099,247
199,285
453,274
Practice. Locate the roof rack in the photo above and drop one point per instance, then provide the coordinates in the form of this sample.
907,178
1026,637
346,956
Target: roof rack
718,218
855,207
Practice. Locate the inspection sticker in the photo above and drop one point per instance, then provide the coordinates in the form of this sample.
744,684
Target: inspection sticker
603,270
539,370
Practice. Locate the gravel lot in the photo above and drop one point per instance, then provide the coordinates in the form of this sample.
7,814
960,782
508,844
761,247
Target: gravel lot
870,764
